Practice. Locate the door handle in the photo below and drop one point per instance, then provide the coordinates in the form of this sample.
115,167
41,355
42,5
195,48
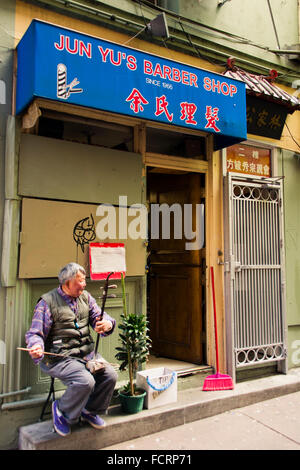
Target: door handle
149,272
237,266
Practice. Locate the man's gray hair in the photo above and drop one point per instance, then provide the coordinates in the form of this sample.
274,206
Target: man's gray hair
69,271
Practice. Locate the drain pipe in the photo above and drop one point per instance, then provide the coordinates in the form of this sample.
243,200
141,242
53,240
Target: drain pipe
16,392
13,394
27,403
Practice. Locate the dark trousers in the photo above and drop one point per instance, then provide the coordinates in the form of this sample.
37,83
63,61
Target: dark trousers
84,390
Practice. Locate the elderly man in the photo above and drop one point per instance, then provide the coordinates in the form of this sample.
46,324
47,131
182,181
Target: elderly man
60,324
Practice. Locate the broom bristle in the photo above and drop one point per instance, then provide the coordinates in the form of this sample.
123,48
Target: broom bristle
218,382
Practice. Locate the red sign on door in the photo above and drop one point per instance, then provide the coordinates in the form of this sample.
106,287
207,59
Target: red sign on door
106,258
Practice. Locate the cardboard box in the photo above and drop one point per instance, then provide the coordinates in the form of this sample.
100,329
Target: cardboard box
160,384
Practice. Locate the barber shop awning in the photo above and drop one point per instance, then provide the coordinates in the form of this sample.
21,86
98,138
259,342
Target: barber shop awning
59,64
267,104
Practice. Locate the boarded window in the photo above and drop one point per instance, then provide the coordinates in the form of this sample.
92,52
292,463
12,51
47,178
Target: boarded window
55,233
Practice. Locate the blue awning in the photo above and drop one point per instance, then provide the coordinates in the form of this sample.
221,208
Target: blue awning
70,67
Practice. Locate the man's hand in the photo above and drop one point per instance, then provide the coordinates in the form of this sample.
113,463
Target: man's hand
36,351
103,326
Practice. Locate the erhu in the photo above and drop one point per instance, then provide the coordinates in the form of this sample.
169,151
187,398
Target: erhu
98,362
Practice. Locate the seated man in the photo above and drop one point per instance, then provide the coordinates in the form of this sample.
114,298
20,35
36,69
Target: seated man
60,325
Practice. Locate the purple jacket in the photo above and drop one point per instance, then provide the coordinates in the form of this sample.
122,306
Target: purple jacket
42,319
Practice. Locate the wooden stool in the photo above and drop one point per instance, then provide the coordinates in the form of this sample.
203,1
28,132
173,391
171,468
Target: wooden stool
51,392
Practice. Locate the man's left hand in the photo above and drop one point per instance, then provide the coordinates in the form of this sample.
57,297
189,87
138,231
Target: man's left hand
103,326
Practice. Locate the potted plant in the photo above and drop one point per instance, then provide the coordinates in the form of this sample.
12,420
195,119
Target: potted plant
133,352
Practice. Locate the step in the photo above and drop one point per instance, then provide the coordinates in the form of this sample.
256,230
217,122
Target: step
192,404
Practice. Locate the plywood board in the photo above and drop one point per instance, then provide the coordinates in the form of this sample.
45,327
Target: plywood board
70,171
47,241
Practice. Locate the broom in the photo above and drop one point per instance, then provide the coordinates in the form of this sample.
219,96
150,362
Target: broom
217,381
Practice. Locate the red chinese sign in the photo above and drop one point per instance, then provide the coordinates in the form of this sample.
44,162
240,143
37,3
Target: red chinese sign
250,160
187,110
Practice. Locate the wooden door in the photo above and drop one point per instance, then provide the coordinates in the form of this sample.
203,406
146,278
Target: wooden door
175,273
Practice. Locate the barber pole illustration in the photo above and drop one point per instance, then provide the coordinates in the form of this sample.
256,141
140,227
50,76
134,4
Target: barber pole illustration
62,81
64,90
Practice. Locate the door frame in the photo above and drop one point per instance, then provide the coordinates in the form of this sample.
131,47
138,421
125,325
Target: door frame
173,266
213,171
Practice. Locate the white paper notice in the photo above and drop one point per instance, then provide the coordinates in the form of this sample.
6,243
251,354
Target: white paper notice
108,259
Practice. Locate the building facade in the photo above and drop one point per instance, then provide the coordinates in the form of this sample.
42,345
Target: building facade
110,115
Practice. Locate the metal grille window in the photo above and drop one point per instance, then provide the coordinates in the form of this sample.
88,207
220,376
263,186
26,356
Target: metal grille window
256,271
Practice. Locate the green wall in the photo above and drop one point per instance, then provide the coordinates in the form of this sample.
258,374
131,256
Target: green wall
7,33
290,168
7,38
248,19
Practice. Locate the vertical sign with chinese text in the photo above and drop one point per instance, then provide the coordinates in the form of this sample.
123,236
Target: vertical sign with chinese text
265,118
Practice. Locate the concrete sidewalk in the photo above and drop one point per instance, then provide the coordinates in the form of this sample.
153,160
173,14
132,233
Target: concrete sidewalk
267,425
192,405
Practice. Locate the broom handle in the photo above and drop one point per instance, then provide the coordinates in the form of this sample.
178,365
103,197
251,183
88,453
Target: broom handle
215,315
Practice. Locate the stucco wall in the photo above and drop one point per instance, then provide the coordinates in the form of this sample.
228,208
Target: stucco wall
7,37
290,168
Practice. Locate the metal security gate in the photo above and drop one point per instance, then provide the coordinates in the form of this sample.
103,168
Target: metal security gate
254,272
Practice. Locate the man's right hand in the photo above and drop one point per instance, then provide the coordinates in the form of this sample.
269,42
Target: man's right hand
36,351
